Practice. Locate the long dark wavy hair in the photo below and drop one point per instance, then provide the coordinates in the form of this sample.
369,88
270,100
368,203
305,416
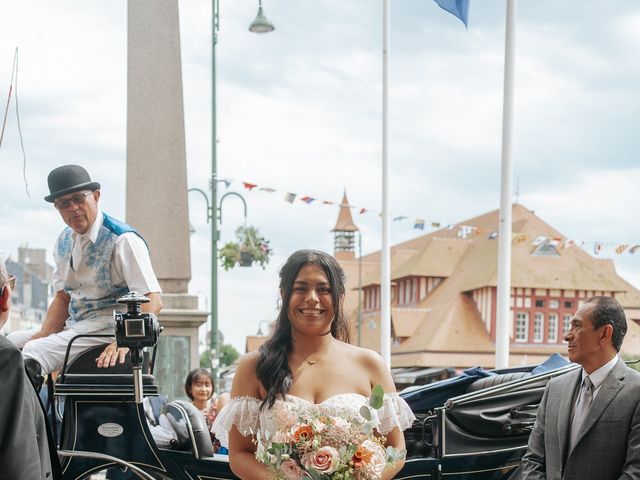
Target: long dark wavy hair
273,367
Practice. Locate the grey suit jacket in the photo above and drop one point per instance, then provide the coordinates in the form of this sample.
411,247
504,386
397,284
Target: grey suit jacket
608,444
24,448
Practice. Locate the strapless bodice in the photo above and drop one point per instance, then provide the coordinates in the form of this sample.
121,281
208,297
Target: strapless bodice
246,415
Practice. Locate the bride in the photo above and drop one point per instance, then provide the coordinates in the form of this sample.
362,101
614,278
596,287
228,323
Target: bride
308,361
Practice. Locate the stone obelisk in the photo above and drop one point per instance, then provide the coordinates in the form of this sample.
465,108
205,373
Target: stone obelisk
157,178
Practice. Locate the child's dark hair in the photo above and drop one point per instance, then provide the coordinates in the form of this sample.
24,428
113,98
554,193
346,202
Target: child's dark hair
193,377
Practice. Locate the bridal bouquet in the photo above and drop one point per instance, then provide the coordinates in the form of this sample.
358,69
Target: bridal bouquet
311,443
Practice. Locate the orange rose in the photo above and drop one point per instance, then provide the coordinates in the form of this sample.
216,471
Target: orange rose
303,433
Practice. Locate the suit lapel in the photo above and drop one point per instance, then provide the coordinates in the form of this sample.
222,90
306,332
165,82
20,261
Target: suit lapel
609,389
564,415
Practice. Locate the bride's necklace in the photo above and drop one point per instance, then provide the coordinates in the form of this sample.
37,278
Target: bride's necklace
309,361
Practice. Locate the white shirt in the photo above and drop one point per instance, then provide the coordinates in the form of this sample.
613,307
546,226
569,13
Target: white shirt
599,376
130,261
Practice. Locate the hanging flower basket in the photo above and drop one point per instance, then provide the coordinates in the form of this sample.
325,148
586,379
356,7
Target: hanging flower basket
246,258
250,247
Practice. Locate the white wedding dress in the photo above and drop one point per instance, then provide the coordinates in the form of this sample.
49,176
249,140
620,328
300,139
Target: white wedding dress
249,419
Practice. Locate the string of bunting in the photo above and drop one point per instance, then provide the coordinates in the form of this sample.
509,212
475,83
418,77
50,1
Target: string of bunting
463,231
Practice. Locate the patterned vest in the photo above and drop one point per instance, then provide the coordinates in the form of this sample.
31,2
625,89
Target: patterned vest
93,294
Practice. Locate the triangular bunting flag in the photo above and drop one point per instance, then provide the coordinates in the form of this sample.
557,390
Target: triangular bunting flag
621,248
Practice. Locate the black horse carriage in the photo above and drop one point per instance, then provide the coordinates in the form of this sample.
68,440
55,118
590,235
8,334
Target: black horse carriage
474,426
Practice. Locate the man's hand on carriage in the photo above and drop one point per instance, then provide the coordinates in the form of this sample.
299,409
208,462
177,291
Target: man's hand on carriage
111,355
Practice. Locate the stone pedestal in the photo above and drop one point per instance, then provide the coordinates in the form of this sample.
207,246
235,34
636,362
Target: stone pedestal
178,347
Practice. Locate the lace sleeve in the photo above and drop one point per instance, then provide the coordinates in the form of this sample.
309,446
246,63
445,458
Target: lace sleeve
243,412
395,412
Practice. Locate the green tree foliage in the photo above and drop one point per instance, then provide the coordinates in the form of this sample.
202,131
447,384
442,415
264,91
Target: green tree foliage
205,361
228,354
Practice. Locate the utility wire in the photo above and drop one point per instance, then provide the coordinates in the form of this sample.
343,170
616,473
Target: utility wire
14,86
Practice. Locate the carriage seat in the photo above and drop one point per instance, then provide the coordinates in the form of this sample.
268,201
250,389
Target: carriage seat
493,380
82,376
190,427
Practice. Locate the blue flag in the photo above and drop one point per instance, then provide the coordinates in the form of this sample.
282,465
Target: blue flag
459,8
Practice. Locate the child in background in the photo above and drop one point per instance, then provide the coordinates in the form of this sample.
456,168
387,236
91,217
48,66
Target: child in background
199,388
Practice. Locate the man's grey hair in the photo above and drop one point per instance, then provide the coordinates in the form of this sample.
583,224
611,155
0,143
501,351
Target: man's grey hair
4,275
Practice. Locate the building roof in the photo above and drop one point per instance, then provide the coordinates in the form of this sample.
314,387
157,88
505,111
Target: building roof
254,342
437,258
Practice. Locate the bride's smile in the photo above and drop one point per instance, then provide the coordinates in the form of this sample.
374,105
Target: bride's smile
311,302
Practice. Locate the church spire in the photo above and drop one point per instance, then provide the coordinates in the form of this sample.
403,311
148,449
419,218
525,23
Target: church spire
344,232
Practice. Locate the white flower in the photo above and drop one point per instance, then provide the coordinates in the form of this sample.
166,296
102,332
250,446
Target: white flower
375,466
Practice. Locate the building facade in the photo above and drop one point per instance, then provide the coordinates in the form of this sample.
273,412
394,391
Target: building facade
30,298
444,291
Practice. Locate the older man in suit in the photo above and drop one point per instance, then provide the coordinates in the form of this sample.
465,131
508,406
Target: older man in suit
27,451
588,422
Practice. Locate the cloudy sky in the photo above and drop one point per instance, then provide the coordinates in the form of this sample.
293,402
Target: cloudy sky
300,111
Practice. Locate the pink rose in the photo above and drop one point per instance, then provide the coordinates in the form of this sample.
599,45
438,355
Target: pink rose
324,460
291,470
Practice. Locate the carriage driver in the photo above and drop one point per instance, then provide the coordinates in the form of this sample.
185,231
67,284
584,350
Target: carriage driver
97,260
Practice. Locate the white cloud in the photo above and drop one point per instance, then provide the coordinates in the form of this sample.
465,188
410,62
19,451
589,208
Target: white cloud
300,110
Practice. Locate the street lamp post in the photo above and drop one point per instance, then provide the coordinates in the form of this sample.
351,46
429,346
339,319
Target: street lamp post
259,25
214,214
260,333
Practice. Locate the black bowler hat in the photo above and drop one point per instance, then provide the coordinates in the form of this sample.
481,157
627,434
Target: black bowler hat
69,179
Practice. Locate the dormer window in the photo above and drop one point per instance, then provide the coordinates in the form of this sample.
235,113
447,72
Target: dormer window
546,248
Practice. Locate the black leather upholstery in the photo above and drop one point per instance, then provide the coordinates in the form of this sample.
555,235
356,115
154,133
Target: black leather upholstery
190,427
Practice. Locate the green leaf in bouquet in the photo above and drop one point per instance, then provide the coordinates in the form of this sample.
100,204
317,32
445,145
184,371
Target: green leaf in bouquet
365,413
395,454
377,397
349,450
316,475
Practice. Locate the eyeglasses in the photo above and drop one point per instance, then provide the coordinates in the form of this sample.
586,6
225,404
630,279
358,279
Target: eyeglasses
77,199
11,282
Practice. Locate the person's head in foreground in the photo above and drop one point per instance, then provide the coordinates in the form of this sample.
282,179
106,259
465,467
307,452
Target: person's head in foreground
597,330
7,283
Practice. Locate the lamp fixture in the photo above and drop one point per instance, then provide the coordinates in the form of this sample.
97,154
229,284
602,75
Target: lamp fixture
261,23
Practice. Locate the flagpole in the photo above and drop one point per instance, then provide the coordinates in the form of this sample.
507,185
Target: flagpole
503,321
385,273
